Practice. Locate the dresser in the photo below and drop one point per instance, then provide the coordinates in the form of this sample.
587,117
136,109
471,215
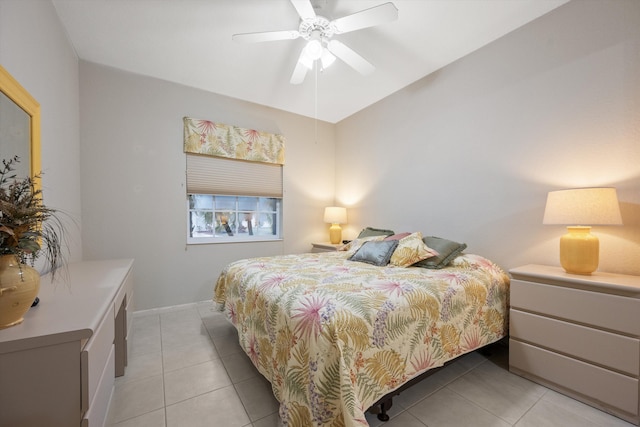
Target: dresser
57,368
578,335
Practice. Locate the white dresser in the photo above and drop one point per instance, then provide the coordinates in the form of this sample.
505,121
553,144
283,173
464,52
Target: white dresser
579,335
57,368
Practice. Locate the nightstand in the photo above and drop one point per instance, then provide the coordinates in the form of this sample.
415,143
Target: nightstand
578,335
325,247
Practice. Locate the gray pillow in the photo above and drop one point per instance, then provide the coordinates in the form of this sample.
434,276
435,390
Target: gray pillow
447,250
370,231
376,253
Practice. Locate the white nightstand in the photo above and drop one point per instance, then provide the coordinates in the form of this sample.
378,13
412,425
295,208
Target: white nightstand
579,335
325,247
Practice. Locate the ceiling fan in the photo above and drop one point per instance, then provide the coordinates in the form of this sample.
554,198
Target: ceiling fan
319,32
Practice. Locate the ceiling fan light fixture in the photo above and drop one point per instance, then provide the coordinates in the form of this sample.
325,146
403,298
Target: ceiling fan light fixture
306,60
327,58
314,49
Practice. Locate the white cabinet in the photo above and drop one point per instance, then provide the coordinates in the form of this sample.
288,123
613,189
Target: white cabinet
579,335
57,368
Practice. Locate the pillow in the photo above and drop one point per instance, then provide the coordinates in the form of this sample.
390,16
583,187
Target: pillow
448,250
397,236
370,231
354,245
376,253
410,250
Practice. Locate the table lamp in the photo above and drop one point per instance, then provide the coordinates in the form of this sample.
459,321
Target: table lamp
335,216
579,249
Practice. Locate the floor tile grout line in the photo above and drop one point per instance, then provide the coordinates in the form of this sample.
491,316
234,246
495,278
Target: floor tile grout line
164,388
197,395
437,389
478,406
531,408
204,393
144,413
262,418
412,416
245,407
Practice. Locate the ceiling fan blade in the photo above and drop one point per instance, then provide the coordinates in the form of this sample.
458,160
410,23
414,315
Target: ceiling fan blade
266,36
349,56
304,8
366,18
299,72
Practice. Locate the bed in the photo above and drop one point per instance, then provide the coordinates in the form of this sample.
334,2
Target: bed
334,336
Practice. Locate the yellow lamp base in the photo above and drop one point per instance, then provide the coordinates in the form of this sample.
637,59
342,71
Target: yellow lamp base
579,250
335,234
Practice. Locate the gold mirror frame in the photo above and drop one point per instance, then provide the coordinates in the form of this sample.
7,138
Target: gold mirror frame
19,95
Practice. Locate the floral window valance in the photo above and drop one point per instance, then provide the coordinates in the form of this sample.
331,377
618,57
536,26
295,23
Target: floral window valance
221,140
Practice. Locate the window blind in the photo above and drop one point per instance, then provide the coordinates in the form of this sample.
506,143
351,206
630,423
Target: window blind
217,175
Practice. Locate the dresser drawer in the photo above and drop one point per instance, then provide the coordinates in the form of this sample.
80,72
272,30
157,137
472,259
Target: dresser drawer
94,358
129,312
577,305
125,291
97,413
595,383
596,346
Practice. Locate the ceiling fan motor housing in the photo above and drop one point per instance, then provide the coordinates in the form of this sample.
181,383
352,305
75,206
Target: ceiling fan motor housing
319,25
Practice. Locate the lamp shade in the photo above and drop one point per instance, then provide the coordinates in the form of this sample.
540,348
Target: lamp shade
583,206
335,215
579,209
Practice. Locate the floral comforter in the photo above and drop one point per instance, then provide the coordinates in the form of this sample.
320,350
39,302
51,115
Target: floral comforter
333,336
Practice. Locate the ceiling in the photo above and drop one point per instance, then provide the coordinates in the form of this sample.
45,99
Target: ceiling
189,42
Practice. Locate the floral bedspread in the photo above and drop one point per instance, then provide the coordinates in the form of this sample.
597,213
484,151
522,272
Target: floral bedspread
333,336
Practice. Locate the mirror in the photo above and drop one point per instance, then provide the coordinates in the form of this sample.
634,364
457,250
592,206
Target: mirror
19,126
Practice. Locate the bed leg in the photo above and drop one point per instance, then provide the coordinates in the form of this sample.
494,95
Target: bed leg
384,407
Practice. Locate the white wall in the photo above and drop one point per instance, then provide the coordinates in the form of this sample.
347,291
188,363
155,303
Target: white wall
35,50
470,152
133,177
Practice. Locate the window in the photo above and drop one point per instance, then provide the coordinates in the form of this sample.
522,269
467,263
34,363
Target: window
217,218
232,200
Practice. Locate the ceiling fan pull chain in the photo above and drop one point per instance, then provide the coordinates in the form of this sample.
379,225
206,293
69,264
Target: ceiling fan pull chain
316,105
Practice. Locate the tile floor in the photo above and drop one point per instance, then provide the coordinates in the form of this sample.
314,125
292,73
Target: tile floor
186,369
